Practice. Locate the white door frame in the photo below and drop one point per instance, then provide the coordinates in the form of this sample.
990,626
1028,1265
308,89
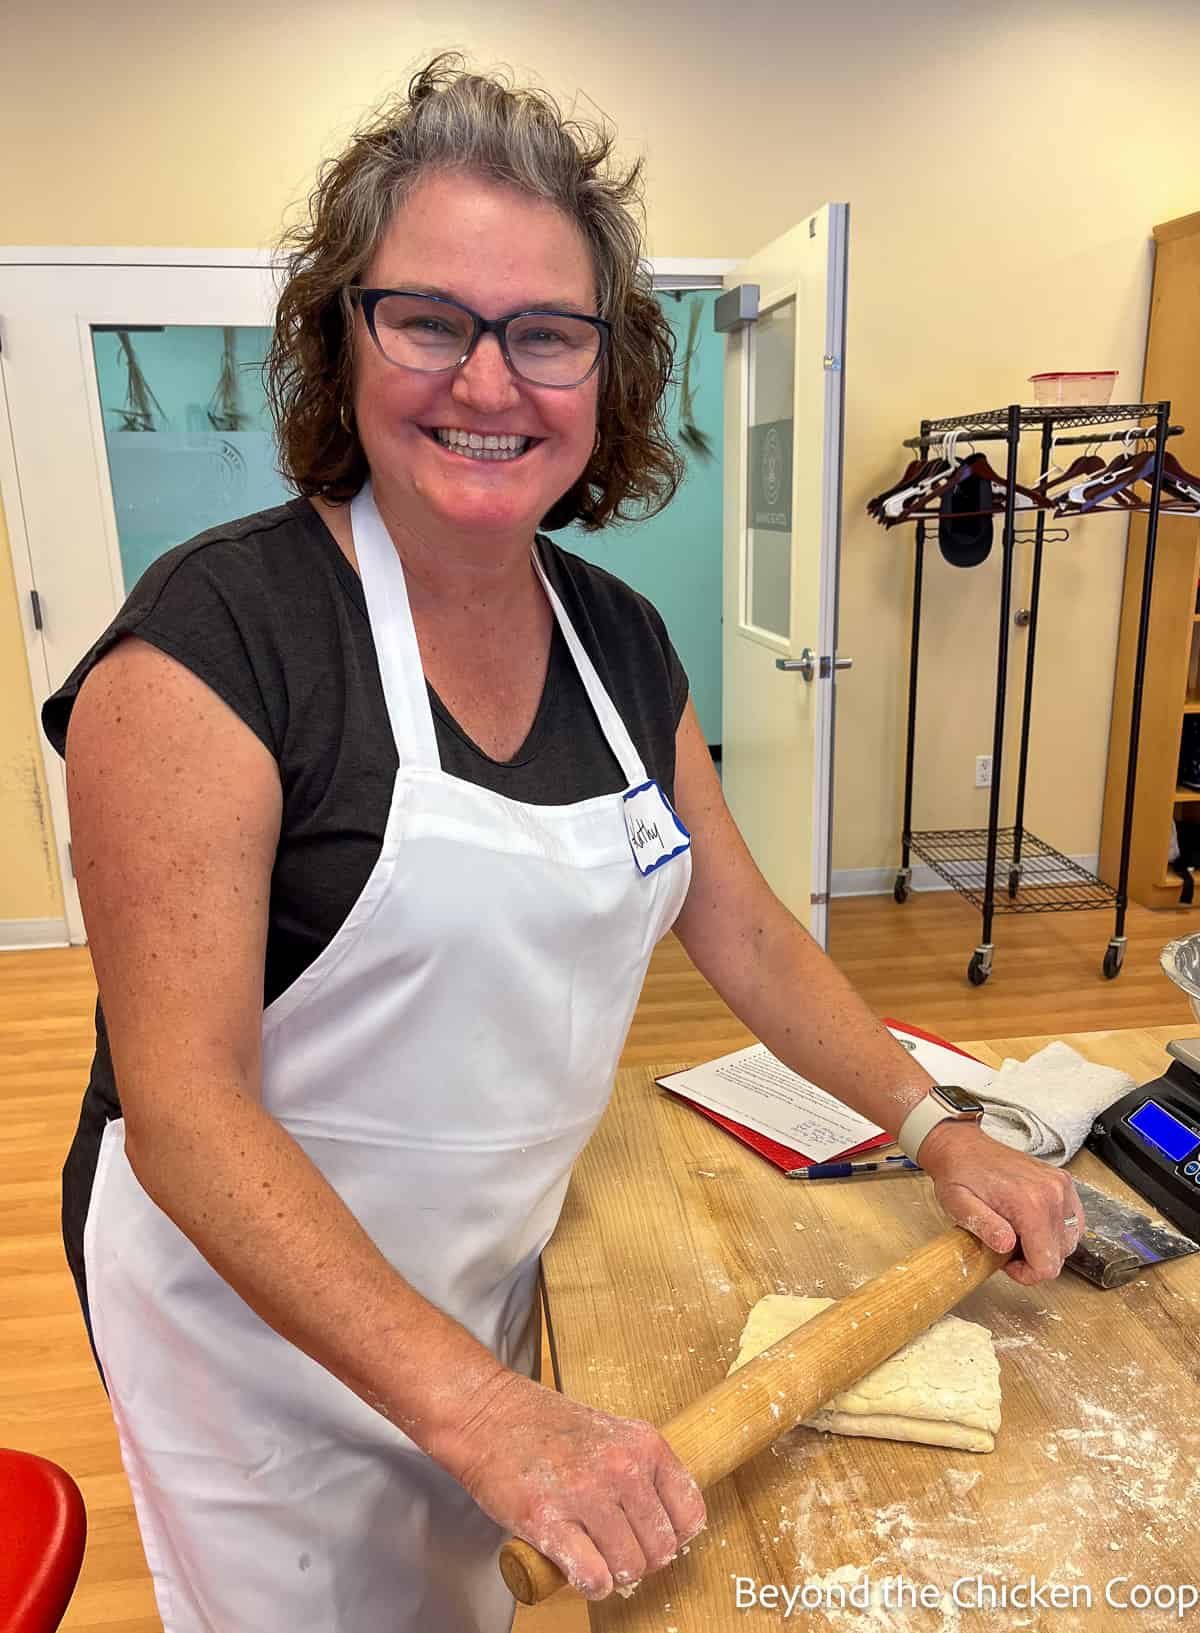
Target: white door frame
803,797
668,272
827,627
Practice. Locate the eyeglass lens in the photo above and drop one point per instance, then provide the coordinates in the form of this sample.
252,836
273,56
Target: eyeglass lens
551,349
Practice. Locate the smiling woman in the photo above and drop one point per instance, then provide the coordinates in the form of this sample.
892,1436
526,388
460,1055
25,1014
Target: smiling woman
394,870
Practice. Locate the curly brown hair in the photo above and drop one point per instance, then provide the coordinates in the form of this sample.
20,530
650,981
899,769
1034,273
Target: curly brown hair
452,119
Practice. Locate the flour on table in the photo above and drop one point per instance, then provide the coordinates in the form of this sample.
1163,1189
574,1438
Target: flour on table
960,1481
941,1389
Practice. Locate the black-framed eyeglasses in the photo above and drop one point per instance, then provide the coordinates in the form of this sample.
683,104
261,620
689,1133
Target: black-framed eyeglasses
433,334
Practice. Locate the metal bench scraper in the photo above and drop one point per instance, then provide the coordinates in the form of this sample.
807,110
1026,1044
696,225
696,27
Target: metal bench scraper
1120,1242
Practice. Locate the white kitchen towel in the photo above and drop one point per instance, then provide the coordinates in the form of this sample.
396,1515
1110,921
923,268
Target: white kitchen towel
1046,1105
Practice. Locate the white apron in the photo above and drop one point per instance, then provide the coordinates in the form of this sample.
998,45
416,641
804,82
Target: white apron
443,1062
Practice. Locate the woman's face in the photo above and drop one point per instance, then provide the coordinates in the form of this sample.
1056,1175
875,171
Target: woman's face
497,251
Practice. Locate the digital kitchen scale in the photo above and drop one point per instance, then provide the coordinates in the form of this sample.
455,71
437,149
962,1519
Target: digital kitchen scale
1151,1138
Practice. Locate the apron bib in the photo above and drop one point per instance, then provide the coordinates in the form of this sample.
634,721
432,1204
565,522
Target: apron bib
442,1062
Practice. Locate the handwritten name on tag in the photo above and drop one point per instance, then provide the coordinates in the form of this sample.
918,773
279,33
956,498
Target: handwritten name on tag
655,832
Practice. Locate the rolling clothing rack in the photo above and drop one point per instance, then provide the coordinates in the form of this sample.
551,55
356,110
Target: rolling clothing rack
1040,878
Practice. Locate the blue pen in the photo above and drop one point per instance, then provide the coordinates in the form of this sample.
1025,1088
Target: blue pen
848,1170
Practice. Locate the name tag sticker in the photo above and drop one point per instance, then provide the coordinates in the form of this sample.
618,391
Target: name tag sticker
655,832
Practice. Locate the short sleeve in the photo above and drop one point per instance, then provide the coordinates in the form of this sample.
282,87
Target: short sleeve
680,686
204,604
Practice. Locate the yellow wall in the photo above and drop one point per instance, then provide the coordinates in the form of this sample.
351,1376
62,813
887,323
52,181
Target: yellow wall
1004,163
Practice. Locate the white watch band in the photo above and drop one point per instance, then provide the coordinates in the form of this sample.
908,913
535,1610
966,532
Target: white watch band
923,1117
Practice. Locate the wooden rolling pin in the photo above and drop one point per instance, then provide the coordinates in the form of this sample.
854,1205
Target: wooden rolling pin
787,1383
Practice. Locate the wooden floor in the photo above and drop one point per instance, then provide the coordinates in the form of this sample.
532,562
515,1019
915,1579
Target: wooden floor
908,962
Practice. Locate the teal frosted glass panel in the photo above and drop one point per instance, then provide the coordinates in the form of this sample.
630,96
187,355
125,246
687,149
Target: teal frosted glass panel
768,565
674,558
187,431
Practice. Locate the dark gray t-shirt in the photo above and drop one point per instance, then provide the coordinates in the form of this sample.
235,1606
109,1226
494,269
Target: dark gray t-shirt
268,612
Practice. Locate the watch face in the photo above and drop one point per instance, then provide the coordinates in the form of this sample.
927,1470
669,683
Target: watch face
959,1100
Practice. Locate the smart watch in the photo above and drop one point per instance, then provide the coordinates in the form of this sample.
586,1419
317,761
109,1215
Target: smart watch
945,1103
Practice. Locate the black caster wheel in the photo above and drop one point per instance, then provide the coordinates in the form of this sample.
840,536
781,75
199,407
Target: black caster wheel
976,974
1014,881
1114,957
900,889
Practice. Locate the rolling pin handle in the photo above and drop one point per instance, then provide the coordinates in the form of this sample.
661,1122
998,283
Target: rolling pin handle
529,1576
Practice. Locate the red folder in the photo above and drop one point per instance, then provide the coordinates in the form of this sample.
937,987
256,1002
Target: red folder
782,1156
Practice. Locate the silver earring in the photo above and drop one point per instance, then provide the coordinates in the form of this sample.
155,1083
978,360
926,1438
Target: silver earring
344,418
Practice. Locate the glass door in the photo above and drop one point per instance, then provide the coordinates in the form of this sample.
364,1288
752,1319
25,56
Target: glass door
784,386
766,566
187,433
136,418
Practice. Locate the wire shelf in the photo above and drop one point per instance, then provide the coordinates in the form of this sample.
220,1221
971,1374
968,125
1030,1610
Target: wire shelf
1048,882
997,418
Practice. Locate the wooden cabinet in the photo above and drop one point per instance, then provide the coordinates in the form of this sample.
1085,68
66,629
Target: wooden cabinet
1171,685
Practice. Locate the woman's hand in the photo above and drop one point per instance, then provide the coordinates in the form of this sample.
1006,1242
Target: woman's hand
605,1498
1003,1196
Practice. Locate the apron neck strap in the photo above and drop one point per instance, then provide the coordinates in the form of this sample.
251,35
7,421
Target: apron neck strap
394,635
611,724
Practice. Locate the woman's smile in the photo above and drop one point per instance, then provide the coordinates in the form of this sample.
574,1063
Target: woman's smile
482,447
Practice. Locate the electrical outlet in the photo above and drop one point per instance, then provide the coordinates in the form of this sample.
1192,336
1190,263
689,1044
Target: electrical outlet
983,771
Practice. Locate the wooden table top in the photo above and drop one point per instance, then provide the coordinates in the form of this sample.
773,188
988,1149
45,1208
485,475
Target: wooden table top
672,1230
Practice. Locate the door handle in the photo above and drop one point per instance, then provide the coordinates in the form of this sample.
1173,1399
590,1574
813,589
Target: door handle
808,665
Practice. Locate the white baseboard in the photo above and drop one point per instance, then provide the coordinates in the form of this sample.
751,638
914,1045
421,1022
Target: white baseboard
19,935
881,881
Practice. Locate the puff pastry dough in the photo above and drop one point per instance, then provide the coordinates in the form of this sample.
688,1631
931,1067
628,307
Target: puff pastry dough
941,1389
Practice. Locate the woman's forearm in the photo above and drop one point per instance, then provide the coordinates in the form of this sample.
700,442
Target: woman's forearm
272,1226
796,1000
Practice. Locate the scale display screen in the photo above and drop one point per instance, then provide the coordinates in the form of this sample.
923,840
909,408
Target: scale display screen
1164,1132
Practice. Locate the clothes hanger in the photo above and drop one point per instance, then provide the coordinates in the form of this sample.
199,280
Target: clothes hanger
920,472
908,501
916,469
895,505
1025,498
1182,485
1177,480
1180,494
976,466
912,470
1087,464
1114,483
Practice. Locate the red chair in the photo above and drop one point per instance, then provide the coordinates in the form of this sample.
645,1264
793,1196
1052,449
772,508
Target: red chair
43,1527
